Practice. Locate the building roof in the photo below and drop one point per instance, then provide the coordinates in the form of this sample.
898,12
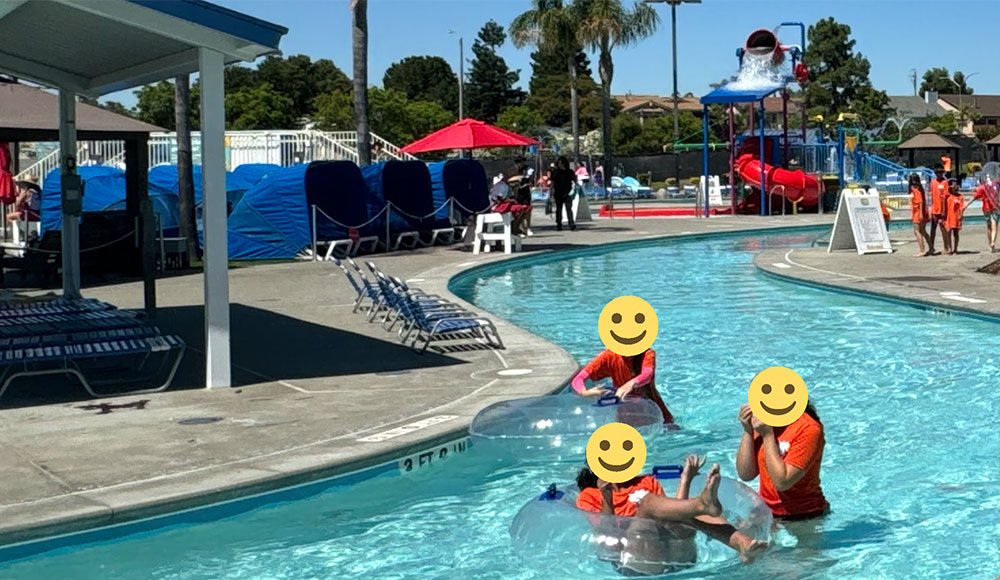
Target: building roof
33,112
986,105
994,141
95,47
928,138
914,107
637,104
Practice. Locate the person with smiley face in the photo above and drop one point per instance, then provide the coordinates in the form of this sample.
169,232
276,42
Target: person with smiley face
783,444
628,327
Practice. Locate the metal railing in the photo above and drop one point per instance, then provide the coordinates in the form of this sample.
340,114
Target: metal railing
87,153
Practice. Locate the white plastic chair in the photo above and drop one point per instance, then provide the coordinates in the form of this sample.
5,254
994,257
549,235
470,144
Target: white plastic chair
486,234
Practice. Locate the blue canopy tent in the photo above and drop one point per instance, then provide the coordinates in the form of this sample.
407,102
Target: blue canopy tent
730,96
407,186
104,190
271,221
463,180
243,177
342,201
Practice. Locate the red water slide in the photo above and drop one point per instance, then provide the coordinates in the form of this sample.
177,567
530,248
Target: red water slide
798,186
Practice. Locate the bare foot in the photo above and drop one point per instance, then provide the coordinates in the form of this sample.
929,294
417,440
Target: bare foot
749,548
709,496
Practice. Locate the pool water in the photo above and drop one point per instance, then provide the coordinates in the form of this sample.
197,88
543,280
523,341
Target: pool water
908,397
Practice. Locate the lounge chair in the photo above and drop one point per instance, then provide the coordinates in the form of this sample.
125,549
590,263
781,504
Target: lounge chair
430,327
363,290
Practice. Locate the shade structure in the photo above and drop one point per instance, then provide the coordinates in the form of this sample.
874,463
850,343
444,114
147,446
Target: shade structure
468,134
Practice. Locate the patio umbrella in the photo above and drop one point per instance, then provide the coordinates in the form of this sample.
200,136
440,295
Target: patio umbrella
468,134
7,192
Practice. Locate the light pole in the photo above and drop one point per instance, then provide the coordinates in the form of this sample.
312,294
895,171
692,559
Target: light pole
461,77
673,33
965,79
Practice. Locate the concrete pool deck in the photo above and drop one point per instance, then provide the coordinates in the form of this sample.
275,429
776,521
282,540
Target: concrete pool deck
320,392
949,282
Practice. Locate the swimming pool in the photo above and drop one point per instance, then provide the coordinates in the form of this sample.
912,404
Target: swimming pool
907,395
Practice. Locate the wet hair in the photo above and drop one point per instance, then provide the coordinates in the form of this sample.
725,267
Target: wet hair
585,478
810,410
562,162
636,363
915,182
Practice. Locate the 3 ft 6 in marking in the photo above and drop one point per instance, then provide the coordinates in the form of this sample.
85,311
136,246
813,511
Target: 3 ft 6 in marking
433,456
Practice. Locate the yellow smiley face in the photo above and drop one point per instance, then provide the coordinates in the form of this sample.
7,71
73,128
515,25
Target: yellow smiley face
616,452
778,396
628,325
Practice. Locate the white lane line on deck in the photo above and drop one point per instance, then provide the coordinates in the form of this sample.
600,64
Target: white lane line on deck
406,429
415,280
780,265
794,263
957,296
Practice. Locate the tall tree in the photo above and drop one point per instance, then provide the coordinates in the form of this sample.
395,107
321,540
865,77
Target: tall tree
520,119
936,79
259,108
552,27
603,26
838,77
491,83
301,79
185,172
424,78
359,35
155,105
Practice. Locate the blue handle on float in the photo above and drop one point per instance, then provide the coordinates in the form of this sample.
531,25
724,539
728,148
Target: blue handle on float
552,493
607,400
667,471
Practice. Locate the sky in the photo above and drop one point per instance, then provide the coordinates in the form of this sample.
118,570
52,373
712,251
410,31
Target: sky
892,34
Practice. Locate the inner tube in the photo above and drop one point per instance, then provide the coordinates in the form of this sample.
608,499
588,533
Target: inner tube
552,533
557,427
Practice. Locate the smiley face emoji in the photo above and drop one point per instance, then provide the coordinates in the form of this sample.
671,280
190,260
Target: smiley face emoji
616,452
628,325
777,396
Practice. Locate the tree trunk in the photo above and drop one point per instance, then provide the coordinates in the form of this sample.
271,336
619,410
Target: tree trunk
185,173
574,106
606,70
359,10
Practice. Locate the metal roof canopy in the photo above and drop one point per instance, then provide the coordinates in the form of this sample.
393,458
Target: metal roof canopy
95,47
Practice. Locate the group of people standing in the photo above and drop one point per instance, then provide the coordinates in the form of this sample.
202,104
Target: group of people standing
786,461
945,210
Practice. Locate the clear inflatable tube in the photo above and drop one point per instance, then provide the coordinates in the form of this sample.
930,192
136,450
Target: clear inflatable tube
558,426
551,532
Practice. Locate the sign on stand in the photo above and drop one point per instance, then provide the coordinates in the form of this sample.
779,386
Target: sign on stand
859,223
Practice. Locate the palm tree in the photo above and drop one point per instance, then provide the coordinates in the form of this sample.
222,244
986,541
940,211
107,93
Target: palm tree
550,26
359,33
185,174
602,26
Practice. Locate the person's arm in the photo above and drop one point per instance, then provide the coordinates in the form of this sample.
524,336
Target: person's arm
579,385
643,378
692,463
746,462
608,506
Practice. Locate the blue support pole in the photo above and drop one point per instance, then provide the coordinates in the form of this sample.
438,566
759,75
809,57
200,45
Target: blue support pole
763,174
840,155
704,153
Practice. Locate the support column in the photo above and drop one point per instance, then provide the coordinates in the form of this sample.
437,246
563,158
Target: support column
763,174
218,370
732,160
140,209
704,156
72,194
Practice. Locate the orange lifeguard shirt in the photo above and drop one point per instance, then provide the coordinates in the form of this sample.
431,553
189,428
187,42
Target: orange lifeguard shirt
917,209
954,219
625,499
946,161
939,190
801,445
614,366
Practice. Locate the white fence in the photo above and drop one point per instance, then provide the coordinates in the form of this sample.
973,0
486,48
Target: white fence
278,147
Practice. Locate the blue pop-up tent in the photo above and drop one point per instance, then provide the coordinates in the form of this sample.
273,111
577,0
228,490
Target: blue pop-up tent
407,186
271,221
463,180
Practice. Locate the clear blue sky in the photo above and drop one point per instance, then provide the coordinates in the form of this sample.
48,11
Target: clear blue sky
891,33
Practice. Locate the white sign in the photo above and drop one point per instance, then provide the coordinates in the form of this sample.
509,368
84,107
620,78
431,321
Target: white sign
409,428
714,190
859,223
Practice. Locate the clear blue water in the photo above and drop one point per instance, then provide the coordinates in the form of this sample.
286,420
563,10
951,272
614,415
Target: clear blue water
908,397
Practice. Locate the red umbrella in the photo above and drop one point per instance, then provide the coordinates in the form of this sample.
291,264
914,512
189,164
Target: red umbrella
468,134
7,192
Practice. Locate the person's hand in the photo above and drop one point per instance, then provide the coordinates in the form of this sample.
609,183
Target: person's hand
594,392
761,427
605,487
692,463
746,418
624,390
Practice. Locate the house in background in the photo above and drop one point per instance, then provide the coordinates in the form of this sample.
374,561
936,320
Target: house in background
649,106
987,107
917,108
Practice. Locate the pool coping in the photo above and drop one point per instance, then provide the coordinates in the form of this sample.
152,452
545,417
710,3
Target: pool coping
76,527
